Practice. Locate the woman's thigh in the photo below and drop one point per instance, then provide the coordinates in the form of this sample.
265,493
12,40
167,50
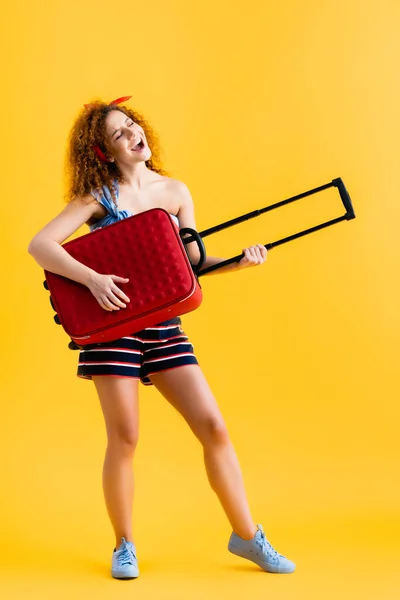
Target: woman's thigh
188,391
119,399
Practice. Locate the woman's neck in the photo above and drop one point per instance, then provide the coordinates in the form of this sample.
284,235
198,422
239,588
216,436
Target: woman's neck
137,177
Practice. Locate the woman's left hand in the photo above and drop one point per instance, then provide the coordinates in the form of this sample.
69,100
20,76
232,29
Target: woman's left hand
255,255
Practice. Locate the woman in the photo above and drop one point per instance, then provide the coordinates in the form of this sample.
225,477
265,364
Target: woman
114,170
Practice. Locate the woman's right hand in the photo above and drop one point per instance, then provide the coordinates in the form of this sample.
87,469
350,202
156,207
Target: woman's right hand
106,292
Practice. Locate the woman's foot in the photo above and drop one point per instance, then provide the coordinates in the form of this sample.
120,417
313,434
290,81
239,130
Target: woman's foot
260,551
124,561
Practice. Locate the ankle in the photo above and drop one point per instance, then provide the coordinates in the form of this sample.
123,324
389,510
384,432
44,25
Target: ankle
246,533
118,541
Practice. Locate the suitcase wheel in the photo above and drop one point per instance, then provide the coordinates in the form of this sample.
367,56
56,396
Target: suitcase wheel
73,346
46,287
57,319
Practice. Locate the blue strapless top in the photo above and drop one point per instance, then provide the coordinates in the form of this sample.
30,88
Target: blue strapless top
113,214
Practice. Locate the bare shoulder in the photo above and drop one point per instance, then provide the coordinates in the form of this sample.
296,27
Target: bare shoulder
180,191
87,206
184,207
85,200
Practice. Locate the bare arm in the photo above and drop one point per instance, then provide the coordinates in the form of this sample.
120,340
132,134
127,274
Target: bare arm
46,249
255,255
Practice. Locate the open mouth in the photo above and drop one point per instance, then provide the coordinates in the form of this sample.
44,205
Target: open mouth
139,146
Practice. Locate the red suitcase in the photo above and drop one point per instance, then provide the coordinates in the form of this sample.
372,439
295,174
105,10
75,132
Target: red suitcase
148,250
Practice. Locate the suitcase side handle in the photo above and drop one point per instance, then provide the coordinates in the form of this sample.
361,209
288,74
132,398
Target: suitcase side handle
193,237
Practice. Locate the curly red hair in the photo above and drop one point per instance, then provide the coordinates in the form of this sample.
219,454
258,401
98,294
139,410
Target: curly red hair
84,170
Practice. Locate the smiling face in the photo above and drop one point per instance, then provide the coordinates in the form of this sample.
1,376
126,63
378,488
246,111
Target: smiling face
126,140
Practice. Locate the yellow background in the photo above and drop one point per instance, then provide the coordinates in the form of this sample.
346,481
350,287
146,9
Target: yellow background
253,102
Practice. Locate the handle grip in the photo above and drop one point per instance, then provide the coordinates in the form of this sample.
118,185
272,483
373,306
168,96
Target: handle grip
344,194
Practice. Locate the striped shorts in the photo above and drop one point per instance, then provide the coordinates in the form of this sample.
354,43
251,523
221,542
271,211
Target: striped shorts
140,355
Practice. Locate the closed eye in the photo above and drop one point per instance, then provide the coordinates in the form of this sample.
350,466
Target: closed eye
130,125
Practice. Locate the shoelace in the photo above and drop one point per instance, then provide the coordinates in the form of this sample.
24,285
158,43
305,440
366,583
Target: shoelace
266,546
126,556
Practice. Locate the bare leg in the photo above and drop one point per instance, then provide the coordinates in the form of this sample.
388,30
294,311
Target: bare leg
119,401
188,391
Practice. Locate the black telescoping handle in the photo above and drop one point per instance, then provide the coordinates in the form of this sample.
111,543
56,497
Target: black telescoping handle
334,183
256,213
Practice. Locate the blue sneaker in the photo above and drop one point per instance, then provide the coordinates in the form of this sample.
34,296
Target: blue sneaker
260,551
124,561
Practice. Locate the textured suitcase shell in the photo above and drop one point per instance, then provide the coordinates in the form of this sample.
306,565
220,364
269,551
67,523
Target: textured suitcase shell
147,249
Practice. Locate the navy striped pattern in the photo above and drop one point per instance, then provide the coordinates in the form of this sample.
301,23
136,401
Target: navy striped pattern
140,355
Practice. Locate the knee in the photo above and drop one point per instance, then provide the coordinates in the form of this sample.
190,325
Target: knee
214,432
123,440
